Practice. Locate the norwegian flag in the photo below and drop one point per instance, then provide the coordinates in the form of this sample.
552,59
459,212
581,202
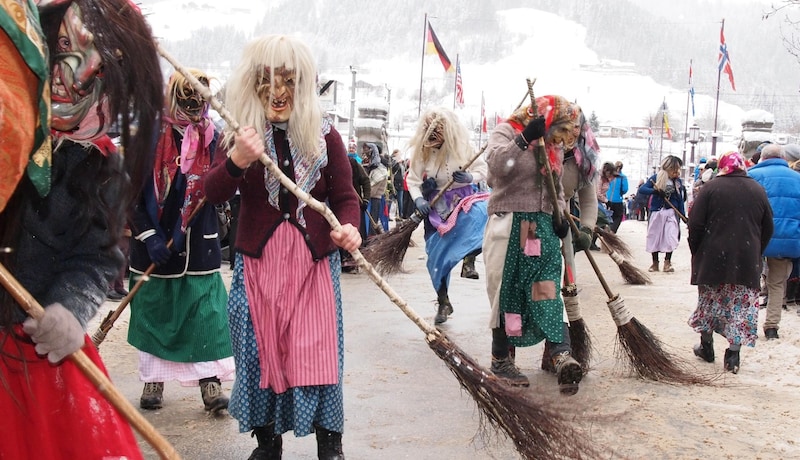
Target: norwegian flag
724,57
459,86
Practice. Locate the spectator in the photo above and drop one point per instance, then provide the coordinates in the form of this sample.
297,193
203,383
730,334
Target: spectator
616,196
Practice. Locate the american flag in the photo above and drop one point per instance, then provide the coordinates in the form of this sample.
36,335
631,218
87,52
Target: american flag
724,58
459,86
483,114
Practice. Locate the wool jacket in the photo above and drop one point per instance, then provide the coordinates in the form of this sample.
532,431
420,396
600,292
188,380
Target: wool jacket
782,185
729,228
419,171
514,176
258,219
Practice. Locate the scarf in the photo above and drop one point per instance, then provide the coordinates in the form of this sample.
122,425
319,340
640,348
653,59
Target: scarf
730,162
306,173
194,160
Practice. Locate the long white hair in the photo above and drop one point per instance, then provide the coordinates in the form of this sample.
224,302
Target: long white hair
444,124
269,53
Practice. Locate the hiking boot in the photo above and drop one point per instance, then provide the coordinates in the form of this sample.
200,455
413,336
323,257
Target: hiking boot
547,361
213,397
152,396
705,350
270,445
653,268
732,361
468,268
771,333
445,308
329,444
668,267
506,369
569,373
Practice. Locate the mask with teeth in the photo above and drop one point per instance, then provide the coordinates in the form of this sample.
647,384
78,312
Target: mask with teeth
276,92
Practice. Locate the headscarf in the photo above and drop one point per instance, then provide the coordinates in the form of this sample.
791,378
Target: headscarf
730,162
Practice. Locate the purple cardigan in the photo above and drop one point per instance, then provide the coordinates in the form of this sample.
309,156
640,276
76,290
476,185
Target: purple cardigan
258,219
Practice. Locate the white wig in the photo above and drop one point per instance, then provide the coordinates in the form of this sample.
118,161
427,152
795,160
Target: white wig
269,53
451,131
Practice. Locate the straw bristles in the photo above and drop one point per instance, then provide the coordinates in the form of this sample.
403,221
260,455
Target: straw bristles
386,251
632,274
647,357
613,242
537,429
581,343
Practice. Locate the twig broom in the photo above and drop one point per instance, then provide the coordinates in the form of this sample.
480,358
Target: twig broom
536,430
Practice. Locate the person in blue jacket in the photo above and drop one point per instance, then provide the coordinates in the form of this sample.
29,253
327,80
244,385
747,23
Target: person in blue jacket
782,185
616,196
663,232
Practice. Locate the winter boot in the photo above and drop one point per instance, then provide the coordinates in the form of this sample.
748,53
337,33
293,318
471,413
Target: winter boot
569,373
506,369
732,361
668,267
270,445
445,308
792,285
329,444
705,349
213,398
468,268
653,268
152,396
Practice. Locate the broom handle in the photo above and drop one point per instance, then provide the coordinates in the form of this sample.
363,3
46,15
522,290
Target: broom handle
93,373
312,202
541,154
683,218
591,258
107,323
452,181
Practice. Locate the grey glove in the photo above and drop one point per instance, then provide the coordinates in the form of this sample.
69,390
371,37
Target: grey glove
462,177
423,206
57,334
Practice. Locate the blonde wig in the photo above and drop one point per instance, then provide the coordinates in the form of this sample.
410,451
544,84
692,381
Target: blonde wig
670,164
178,87
442,124
267,54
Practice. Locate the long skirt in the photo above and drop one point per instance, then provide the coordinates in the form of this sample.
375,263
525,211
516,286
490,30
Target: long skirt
730,310
298,408
53,411
446,251
663,231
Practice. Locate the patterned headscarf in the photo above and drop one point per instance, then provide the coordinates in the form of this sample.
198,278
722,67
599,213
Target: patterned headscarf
561,120
730,162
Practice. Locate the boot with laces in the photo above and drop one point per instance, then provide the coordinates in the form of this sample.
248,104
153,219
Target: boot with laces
213,397
505,368
569,373
152,396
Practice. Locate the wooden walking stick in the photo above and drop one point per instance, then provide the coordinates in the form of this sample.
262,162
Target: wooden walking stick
683,218
108,322
537,430
387,251
93,373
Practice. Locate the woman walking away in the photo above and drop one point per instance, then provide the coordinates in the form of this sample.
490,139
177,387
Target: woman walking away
663,231
285,304
728,299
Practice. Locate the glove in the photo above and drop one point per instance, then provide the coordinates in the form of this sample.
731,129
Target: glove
583,240
561,230
423,206
157,250
428,186
57,334
660,193
534,130
462,177
364,204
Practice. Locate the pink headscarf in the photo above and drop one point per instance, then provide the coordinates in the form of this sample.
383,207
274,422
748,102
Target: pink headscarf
730,162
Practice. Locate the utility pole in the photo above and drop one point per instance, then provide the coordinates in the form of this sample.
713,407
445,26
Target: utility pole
351,128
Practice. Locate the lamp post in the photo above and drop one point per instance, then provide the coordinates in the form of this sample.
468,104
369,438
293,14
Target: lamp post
694,137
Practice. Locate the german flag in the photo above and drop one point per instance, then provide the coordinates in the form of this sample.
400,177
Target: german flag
432,46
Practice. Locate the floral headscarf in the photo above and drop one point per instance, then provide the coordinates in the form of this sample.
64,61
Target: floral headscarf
730,162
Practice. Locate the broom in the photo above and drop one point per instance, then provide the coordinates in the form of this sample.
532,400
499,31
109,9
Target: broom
387,251
683,218
108,322
643,349
537,430
93,373
618,250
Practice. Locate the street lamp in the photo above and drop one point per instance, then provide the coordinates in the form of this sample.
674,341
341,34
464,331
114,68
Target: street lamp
694,138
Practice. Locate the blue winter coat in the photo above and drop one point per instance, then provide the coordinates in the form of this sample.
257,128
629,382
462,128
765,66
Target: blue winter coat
617,189
657,203
782,185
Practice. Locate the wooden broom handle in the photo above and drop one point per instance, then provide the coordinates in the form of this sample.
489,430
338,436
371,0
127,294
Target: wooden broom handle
541,154
93,373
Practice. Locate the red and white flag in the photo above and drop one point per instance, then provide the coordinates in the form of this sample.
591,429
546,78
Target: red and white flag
483,114
724,57
459,86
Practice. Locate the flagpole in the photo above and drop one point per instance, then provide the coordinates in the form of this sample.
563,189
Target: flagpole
716,104
686,123
422,64
480,128
455,83
661,141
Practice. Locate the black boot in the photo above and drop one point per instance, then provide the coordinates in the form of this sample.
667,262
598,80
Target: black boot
445,308
270,445
468,268
329,444
705,349
732,361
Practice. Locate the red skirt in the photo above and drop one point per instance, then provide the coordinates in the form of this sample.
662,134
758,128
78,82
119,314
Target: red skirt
53,411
